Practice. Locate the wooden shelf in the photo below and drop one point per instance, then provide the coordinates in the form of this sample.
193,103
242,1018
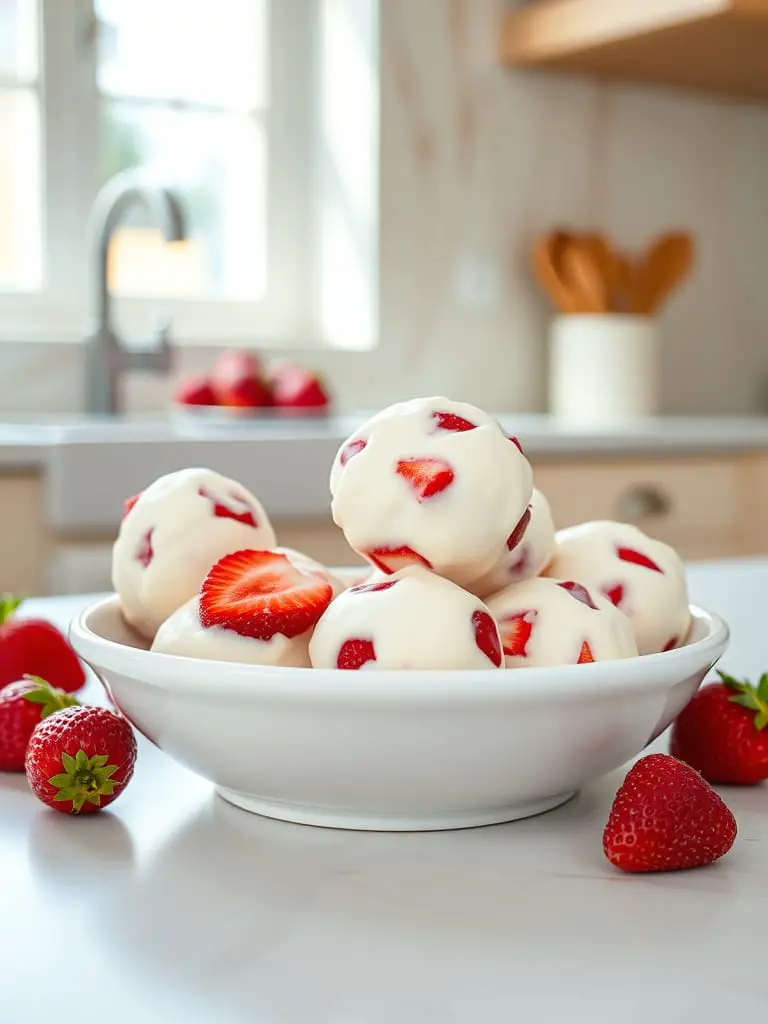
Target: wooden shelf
714,45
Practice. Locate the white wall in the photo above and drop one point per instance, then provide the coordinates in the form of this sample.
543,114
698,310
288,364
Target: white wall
475,160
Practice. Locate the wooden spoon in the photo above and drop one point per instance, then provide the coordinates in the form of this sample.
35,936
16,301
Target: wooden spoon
583,272
666,263
545,257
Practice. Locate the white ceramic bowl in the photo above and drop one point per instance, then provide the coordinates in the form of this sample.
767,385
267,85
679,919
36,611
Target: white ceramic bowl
390,750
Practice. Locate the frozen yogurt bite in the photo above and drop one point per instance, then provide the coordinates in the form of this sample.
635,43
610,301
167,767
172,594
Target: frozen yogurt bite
434,483
257,607
413,619
643,577
528,558
547,622
171,535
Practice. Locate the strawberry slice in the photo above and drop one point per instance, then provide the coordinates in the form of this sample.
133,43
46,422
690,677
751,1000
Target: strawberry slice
390,559
585,654
671,644
371,588
260,593
519,531
427,477
487,636
516,631
238,510
145,554
353,654
516,442
129,503
451,422
637,558
350,450
615,594
579,592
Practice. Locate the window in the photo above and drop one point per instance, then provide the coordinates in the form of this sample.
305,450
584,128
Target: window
259,114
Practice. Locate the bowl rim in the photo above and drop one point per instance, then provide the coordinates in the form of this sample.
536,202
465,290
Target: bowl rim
182,674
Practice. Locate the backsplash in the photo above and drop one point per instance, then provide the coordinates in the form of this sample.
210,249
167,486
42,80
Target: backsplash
475,160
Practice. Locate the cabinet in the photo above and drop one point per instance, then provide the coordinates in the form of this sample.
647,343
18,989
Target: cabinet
24,541
705,507
713,45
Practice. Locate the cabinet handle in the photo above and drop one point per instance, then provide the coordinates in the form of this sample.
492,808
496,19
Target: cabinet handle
643,502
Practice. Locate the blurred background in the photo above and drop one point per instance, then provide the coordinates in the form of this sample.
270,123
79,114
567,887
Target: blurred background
553,209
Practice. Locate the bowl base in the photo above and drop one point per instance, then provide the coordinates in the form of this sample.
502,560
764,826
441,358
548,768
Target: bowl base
332,817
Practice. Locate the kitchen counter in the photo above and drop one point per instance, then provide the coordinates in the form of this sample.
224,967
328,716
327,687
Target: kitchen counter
87,466
175,905
28,441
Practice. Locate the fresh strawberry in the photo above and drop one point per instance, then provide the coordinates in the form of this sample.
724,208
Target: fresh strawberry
637,558
238,381
353,654
261,593
295,387
666,817
516,631
427,477
129,503
350,450
585,655
519,531
34,647
22,705
236,364
196,390
579,592
722,732
247,393
80,759
449,421
390,559
487,637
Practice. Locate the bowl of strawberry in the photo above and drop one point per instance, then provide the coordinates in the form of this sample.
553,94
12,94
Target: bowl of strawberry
241,387
477,666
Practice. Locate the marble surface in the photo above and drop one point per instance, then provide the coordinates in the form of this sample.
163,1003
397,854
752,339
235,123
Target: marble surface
174,905
475,159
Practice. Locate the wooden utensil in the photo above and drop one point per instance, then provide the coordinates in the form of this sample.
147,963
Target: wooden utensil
584,275
545,257
666,263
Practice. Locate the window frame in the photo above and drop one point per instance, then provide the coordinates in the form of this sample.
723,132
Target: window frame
69,120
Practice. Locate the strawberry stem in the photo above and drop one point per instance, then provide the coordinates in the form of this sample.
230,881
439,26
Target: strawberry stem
8,605
84,779
753,698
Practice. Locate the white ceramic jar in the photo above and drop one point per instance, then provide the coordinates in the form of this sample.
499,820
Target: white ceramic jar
603,367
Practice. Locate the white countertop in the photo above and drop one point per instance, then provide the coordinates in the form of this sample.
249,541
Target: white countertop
28,440
89,466
176,906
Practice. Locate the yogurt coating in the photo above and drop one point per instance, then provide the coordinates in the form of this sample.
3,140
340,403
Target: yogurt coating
546,623
413,619
431,482
183,634
310,565
175,531
528,558
643,577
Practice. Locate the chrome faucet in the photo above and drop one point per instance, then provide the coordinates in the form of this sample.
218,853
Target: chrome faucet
106,357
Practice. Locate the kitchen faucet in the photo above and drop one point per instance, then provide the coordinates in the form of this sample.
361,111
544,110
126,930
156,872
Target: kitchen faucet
106,356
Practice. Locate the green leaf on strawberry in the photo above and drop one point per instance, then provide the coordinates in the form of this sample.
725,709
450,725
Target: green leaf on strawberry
754,698
8,605
84,779
49,699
